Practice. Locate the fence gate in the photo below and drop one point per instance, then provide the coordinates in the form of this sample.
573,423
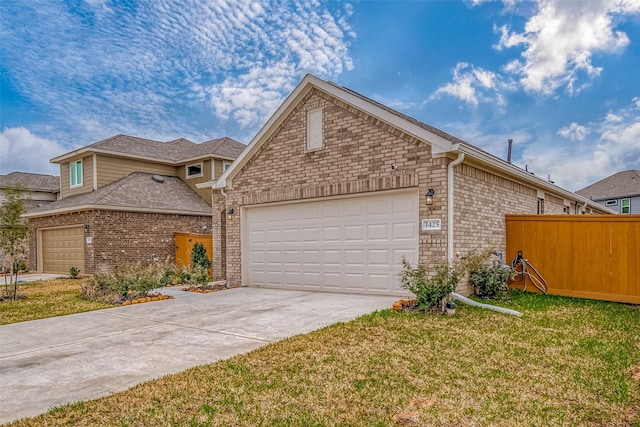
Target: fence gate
184,245
586,256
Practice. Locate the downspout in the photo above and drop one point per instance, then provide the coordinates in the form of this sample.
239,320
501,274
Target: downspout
450,204
584,208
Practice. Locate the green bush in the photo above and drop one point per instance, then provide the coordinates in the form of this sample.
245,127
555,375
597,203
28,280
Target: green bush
491,281
430,291
130,281
74,272
199,257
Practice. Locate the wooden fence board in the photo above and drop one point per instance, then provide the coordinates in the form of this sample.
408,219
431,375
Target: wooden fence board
586,256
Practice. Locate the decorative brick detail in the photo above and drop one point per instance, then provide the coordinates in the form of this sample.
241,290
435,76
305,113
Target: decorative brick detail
122,237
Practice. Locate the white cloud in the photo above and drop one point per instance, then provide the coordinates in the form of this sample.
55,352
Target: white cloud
22,151
574,132
137,67
560,40
474,85
610,147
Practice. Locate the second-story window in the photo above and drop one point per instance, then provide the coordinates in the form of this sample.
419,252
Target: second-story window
225,166
75,173
194,171
625,206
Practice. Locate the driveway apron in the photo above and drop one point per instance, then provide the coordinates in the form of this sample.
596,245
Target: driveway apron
50,362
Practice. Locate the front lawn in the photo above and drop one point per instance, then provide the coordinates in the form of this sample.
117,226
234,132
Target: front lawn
566,362
48,298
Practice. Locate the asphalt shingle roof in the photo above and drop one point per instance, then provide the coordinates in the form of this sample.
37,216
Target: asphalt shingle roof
173,151
32,181
137,190
621,184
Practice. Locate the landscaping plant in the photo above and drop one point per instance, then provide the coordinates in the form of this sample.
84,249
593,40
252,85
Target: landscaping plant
430,291
74,272
14,230
491,281
199,257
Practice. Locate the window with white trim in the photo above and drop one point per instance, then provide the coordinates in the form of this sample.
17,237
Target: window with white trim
225,166
314,130
75,173
625,206
540,208
611,203
194,171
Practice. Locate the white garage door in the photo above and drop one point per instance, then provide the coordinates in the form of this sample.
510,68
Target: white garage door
344,245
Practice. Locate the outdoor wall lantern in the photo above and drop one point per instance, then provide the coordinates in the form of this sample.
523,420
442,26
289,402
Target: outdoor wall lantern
230,211
429,196
86,228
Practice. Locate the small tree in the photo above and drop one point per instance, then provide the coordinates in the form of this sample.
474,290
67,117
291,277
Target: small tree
14,230
199,256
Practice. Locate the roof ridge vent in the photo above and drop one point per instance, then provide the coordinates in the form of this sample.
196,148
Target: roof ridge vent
158,178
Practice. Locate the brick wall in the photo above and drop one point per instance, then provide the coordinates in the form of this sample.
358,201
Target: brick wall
356,158
122,237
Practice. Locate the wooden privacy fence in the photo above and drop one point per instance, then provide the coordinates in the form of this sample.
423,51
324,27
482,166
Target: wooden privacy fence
184,245
586,256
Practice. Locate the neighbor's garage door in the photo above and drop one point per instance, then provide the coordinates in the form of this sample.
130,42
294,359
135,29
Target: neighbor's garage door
62,248
345,245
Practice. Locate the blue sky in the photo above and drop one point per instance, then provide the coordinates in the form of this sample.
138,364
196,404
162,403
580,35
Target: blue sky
561,78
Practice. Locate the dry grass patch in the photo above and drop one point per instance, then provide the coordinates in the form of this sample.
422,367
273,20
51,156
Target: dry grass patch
566,362
48,298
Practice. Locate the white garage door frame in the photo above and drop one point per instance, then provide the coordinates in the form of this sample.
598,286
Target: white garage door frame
400,228
39,242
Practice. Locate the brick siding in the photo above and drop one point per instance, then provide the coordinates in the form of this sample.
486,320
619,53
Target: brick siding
122,237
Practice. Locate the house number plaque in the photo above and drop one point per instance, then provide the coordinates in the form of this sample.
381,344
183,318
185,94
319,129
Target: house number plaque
431,224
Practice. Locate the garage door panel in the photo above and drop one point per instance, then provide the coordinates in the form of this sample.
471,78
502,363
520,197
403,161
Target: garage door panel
62,248
353,233
404,231
349,245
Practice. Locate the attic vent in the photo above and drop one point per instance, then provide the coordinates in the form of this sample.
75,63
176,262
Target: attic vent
158,178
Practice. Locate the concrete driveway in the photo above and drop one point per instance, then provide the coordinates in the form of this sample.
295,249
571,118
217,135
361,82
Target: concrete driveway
50,362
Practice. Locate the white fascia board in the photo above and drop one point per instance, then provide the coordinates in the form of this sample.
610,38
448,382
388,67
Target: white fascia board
535,181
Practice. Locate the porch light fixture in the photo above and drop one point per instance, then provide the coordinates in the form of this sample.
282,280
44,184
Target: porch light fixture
230,211
429,196
86,228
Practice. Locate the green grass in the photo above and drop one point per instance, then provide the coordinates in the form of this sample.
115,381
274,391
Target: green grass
44,299
566,362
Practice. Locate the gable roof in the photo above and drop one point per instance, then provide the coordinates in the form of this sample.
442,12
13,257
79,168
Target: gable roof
173,152
138,192
620,184
32,181
440,141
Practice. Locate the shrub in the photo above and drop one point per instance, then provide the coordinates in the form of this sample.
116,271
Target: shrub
199,257
130,281
431,291
491,281
74,272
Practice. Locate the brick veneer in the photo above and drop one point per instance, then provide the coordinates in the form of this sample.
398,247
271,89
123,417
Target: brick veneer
122,237
356,158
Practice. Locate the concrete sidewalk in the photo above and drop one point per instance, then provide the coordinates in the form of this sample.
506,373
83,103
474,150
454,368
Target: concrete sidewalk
50,362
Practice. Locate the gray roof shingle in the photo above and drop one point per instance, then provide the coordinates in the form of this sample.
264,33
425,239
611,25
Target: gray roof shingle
620,184
173,151
137,190
32,181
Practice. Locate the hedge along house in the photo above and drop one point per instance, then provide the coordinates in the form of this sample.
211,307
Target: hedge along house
122,201
336,189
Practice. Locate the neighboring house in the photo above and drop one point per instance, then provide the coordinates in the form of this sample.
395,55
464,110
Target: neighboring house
42,189
336,189
123,199
619,192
